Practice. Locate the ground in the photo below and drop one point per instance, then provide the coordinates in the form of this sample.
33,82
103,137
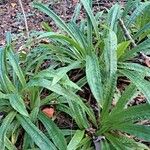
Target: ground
11,17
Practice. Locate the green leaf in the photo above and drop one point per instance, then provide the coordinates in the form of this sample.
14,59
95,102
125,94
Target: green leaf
37,136
131,114
93,75
18,104
78,136
76,12
3,96
4,127
15,64
91,16
110,57
144,71
63,92
105,145
142,47
59,22
116,143
6,84
78,50
9,144
129,6
136,13
53,131
140,83
128,143
61,72
110,54
142,30
113,16
139,131
127,95
121,48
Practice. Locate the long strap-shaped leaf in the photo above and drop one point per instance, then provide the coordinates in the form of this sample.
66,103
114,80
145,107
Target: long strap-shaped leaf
140,83
92,17
54,132
63,92
127,95
4,127
138,11
129,6
37,136
113,16
9,144
75,140
110,53
145,28
93,76
6,84
59,22
139,131
62,71
144,71
18,104
144,46
131,114
110,58
78,50
15,64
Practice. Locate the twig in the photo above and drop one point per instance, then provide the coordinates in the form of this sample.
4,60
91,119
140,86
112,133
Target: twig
128,36
126,32
25,19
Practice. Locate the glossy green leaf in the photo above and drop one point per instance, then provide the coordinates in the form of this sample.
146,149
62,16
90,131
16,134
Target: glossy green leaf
59,22
110,54
136,13
139,131
140,83
15,64
113,16
128,94
91,16
144,71
18,104
61,72
93,76
9,144
142,47
4,127
37,136
54,132
76,139
144,29
121,48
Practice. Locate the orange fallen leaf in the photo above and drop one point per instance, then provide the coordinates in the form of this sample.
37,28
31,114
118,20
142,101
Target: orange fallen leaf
48,112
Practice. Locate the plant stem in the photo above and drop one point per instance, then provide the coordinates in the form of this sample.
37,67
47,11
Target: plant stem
126,32
25,19
129,37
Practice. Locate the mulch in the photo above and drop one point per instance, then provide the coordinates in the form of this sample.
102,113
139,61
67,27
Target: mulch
11,17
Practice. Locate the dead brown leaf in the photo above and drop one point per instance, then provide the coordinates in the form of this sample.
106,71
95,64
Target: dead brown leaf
13,4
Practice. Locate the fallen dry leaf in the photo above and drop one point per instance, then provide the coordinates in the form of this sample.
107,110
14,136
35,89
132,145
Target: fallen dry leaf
48,112
75,1
13,4
147,61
